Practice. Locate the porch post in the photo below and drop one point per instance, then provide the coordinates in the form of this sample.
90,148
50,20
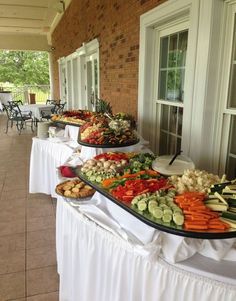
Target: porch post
51,77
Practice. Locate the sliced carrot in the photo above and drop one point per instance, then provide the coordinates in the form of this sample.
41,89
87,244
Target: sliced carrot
195,227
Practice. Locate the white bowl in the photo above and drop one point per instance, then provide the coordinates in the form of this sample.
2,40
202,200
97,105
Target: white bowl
181,163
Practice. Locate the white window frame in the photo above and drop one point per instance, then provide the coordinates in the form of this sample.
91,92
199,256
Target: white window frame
205,17
224,114
77,87
181,24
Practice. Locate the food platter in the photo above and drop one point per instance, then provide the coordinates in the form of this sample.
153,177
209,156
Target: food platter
81,190
153,223
116,145
60,123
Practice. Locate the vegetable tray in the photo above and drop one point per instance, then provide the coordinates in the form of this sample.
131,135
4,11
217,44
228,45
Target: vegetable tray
107,145
147,220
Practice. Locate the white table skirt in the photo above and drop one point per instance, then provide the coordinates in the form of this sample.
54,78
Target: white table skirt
96,265
72,132
36,109
45,157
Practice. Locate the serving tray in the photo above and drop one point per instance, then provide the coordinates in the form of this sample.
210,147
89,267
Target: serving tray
59,192
60,122
154,224
107,145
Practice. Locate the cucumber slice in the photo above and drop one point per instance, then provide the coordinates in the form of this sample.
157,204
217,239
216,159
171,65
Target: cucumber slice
89,173
167,211
167,218
178,219
142,205
98,179
229,215
92,178
135,200
157,213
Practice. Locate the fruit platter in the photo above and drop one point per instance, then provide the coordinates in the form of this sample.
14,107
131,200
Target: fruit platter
195,204
108,131
74,117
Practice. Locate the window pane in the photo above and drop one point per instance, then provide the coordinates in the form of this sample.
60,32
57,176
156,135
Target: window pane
234,41
96,78
232,143
172,57
164,52
231,168
164,117
178,84
163,143
173,119
171,144
162,85
232,90
178,145
180,121
171,93
182,47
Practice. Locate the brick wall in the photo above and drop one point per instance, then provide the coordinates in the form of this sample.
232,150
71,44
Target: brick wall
116,24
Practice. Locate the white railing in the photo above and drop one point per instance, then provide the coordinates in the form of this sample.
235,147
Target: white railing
29,93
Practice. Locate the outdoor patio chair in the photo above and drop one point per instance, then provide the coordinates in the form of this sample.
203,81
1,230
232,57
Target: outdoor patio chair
57,109
14,114
52,101
18,102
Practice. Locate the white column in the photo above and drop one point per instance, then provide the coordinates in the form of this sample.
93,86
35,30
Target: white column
51,77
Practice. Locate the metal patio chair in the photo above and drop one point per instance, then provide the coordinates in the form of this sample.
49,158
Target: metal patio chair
15,115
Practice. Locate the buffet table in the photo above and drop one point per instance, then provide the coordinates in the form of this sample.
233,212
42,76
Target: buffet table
46,156
106,254
95,264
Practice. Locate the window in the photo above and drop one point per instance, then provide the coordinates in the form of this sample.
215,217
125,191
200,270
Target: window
228,95
170,98
79,76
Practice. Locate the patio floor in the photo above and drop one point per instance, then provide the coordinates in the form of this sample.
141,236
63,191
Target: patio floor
27,226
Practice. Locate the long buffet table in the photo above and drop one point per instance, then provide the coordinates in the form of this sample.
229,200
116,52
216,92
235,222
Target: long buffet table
106,254
95,264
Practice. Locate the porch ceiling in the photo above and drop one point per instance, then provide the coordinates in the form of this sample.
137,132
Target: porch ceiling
28,24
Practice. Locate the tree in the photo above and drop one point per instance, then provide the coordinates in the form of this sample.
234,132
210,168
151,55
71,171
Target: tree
24,67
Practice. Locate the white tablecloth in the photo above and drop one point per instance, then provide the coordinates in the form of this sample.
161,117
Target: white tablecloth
94,264
45,157
171,247
72,132
36,109
4,98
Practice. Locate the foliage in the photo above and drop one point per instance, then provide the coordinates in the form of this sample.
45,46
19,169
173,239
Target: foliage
103,106
24,67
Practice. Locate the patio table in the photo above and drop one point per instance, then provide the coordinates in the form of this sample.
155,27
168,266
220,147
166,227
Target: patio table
36,109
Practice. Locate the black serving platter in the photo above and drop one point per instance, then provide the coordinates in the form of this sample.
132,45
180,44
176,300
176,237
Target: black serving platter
60,122
107,145
161,227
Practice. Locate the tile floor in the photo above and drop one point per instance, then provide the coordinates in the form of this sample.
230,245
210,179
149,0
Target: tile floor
28,269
